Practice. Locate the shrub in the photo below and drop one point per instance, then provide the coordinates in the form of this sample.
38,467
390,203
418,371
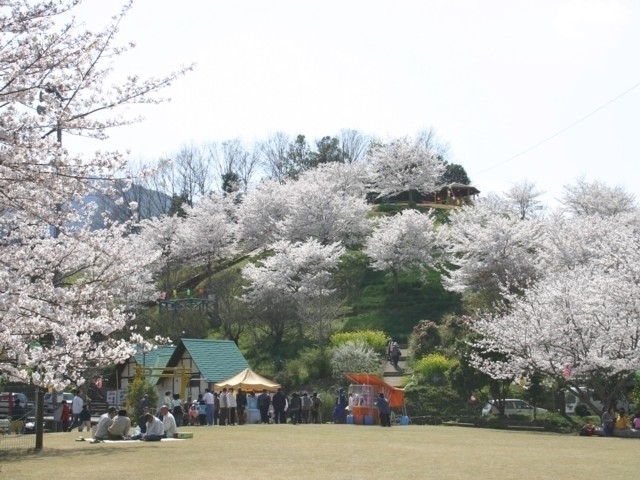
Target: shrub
425,404
376,339
554,422
432,369
424,339
135,391
352,357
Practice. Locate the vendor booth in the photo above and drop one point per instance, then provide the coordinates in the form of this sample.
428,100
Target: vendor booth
249,381
363,393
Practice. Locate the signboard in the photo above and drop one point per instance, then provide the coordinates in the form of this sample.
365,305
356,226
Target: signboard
116,398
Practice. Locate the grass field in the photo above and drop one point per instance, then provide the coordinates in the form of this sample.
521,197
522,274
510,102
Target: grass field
333,452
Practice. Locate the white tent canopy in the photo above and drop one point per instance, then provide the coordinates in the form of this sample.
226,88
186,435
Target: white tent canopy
248,380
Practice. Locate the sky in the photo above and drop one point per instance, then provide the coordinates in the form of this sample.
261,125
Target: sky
546,91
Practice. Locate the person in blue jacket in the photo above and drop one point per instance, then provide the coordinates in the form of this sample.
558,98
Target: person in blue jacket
341,405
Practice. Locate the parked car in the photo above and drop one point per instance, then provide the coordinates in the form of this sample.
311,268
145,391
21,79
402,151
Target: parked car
8,400
48,400
575,404
512,406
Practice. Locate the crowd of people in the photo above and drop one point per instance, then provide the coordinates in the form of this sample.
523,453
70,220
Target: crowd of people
225,408
230,408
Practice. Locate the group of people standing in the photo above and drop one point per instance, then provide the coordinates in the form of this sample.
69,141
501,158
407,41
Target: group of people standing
67,416
230,407
226,407
299,407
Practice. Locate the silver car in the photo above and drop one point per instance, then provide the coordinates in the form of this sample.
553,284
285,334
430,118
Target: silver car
512,406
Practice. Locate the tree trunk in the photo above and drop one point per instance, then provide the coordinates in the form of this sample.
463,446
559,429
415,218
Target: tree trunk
395,281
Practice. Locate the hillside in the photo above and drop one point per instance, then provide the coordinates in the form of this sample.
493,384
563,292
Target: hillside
369,300
371,304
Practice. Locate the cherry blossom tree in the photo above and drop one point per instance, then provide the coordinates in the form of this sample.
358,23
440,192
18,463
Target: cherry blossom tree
63,286
524,197
161,233
261,213
403,165
578,321
207,234
326,203
587,198
403,242
296,275
487,246
578,327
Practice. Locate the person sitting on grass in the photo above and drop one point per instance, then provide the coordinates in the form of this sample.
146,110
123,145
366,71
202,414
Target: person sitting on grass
169,422
142,420
154,429
119,429
635,423
102,430
622,421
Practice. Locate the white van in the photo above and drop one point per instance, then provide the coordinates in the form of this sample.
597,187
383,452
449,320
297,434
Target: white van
572,401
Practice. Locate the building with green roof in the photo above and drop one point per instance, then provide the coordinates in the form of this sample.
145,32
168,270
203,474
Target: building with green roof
187,368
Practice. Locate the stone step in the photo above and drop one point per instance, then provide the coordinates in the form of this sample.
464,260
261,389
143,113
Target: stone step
400,373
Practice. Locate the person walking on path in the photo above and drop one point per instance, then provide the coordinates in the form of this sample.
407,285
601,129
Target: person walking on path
395,354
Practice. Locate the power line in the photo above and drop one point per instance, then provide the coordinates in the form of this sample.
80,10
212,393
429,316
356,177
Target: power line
560,132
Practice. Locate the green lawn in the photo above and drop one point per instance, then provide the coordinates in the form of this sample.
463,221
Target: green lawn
335,452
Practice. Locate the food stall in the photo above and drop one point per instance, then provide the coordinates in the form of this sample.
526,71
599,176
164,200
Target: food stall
363,393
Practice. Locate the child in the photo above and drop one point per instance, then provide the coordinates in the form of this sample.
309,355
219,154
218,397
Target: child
85,419
65,416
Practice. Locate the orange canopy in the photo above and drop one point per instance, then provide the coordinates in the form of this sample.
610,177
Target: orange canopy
393,394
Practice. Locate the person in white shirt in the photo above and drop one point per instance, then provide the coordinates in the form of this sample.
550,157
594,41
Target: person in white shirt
102,430
224,407
155,429
76,408
169,422
232,405
209,401
119,429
